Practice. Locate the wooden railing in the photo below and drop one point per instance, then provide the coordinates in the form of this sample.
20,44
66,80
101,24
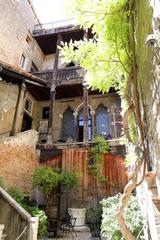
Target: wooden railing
63,74
45,74
54,24
70,73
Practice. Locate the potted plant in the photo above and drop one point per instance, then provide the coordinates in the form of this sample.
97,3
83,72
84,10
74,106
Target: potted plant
70,180
93,220
46,179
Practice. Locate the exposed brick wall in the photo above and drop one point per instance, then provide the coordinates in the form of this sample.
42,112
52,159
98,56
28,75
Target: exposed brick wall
18,161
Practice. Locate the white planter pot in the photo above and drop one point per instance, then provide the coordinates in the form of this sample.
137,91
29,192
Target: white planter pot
79,214
1,230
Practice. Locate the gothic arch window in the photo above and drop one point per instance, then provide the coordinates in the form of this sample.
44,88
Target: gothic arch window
68,125
80,126
102,122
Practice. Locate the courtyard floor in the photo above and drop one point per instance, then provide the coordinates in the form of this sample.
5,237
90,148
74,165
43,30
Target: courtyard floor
80,236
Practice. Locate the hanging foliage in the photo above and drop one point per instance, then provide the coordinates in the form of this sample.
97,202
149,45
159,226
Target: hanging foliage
106,56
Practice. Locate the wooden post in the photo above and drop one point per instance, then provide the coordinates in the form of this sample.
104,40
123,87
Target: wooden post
18,115
85,113
93,124
52,95
51,113
59,39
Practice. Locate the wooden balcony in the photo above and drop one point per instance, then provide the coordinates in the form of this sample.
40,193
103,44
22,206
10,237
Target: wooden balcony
63,76
75,74
54,27
45,74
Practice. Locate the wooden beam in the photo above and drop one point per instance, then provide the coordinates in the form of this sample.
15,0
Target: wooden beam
70,82
51,114
59,39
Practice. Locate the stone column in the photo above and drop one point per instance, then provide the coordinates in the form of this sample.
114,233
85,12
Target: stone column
51,114
33,228
85,113
18,115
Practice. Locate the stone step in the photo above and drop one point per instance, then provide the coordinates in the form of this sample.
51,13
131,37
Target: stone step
3,236
156,202
1,230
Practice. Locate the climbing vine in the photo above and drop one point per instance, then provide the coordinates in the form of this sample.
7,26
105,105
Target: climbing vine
96,156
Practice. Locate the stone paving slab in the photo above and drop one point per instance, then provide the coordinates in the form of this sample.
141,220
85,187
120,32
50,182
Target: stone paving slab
80,236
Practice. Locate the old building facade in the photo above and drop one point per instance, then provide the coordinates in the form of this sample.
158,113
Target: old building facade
48,116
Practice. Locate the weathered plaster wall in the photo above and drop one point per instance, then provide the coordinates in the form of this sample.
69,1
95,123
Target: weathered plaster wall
110,101
8,100
48,63
18,160
17,21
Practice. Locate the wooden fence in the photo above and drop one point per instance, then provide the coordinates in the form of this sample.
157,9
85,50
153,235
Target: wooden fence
90,191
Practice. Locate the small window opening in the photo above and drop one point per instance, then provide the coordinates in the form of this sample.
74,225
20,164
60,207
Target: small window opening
45,113
23,61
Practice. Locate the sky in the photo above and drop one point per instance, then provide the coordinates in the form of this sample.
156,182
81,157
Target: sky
50,10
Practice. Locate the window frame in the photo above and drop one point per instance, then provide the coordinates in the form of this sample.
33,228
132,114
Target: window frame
30,110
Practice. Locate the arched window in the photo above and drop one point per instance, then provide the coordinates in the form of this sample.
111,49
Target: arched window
80,126
68,125
102,122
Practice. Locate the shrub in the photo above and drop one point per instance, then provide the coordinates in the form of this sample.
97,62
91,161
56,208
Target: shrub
133,218
45,178
16,193
69,180
93,220
42,218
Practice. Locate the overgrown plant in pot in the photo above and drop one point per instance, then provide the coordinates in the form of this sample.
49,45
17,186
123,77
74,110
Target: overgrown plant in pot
93,220
69,181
